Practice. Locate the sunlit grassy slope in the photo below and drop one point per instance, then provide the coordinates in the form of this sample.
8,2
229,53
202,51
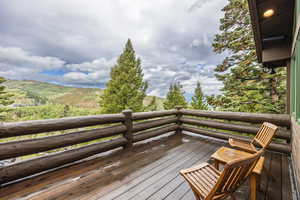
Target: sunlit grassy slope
57,94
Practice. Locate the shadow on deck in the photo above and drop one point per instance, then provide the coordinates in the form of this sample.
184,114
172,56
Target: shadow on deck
147,171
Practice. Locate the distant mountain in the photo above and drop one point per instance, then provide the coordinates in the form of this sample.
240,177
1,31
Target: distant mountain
29,92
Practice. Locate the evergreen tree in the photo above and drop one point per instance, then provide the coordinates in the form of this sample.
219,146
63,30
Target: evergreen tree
66,111
175,97
198,101
4,100
152,105
126,89
248,86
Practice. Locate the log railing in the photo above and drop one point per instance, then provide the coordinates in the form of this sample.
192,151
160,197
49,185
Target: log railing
118,131
225,125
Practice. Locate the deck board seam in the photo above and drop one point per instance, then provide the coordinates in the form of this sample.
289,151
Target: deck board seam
177,175
154,167
199,147
184,165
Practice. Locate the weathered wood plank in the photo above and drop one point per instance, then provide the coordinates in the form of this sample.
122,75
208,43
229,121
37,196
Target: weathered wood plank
265,177
278,119
91,179
282,134
286,181
122,192
178,192
133,171
151,154
86,187
138,192
30,167
188,196
274,186
25,147
163,187
122,176
12,129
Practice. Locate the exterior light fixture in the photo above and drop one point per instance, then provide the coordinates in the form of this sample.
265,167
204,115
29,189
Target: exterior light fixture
269,13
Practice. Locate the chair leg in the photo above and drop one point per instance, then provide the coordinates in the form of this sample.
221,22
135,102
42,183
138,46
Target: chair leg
253,186
216,164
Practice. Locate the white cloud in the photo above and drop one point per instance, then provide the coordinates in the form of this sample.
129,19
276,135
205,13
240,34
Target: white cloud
16,56
195,43
83,40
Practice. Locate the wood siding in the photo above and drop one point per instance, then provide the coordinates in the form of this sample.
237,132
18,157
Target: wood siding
296,150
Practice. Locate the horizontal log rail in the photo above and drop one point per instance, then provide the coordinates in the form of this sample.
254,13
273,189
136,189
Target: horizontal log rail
127,132
153,123
27,168
148,115
26,147
283,148
278,119
153,133
281,134
126,128
41,126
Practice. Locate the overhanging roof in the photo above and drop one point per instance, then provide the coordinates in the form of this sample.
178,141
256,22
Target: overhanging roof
273,35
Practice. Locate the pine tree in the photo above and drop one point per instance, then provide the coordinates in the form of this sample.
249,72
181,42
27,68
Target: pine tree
126,89
248,86
175,97
198,101
4,100
152,105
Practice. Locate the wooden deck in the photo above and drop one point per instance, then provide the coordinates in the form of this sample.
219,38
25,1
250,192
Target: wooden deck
147,171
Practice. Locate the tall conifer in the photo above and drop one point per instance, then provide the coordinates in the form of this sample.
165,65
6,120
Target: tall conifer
5,99
126,89
152,105
198,100
175,97
248,87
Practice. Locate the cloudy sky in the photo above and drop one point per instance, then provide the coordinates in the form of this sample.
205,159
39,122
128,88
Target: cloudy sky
76,42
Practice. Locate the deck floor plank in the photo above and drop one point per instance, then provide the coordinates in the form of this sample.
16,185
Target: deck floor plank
168,158
286,183
178,192
147,171
189,195
265,177
274,186
166,184
164,187
90,183
136,186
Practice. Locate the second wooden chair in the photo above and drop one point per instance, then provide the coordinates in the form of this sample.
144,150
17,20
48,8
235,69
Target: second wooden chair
208,183
262,139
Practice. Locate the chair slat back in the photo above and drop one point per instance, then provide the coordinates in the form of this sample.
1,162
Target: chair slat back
234,174
265,134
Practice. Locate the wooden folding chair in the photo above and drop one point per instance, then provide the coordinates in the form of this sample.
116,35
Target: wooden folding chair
262,139
208,183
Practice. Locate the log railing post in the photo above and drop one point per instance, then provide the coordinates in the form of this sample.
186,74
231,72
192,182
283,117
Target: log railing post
128,123
178,115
